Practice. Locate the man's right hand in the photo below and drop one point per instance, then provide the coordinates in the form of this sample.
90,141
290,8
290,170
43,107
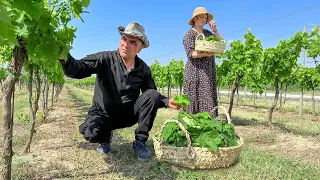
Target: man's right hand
60,54
173,105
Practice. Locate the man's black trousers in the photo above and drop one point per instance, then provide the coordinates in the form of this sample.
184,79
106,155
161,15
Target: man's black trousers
97,128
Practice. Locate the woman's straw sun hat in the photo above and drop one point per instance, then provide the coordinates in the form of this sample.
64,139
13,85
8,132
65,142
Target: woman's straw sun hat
198,11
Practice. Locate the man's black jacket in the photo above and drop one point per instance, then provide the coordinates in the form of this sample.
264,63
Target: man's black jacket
115,88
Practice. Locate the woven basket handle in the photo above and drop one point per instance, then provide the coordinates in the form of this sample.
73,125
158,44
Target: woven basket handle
190,149
225,111
201,35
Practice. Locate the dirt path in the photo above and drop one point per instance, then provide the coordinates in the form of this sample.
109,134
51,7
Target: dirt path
59,151
56,149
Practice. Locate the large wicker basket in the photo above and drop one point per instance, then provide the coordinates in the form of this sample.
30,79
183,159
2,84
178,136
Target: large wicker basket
195,157
202,45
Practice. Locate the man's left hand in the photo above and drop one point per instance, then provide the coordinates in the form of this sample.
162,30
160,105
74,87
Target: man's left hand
173,105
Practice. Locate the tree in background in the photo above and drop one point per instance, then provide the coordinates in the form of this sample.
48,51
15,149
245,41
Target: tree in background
32,30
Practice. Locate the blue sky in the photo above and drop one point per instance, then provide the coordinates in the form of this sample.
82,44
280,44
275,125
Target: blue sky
166,22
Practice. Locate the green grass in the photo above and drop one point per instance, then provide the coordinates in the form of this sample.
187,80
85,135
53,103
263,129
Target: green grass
253,163
22,168
257,164
261,103
288,124
21,119
20,105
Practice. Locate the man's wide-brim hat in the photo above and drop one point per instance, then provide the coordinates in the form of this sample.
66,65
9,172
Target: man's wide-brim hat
198,11
136,30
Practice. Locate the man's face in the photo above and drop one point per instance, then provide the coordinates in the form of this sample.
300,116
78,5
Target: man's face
129,46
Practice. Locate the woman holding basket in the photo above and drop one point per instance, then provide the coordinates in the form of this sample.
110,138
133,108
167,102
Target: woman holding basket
200,70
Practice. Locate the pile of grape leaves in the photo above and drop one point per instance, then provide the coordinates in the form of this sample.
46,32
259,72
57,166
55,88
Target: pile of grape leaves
204,130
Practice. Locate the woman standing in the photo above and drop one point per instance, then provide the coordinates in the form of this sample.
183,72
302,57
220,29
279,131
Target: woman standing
200,72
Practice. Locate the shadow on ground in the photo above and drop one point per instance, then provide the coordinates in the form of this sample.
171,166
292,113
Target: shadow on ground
123,160
240,121
80,105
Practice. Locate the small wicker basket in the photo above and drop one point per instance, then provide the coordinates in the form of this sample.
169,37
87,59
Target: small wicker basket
202,45
196,157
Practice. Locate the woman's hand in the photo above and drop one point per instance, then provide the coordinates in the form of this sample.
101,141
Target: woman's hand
213,26
208,54
196,54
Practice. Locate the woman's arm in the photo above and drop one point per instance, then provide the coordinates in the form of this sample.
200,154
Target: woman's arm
217,34
213,27
196,54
